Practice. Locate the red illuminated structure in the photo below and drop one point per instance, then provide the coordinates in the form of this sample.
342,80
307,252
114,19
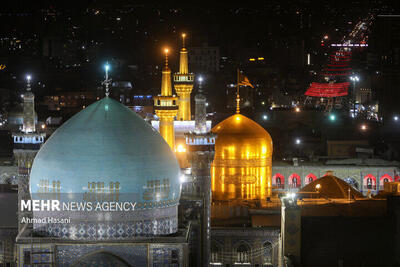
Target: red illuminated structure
335,85
328,89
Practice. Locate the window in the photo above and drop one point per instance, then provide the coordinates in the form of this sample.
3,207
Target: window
369,183
243,253
174,256
278,181
215,253
27,257
267,253
158,102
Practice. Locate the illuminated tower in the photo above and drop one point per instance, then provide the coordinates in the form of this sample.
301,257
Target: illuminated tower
26,145
184,84
201,153
166,106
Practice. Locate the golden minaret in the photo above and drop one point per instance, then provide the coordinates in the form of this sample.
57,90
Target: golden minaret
166,106
183,81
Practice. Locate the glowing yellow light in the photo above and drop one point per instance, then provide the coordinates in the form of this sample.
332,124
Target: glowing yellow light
43,126
252,59
237,118
297,109
166,50
264,150
363,127
183,35
180,148
260,58
318,187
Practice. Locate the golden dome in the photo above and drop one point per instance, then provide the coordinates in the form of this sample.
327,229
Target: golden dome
242,163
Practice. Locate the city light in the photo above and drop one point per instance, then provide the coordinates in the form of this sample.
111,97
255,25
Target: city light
181,148
200,79
265,117
43,126
28,77
363,127
182,178
107,67
332,117
297,109
396,118
355,78
298,141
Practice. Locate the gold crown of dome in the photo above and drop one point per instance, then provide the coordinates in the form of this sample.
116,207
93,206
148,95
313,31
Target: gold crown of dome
240,128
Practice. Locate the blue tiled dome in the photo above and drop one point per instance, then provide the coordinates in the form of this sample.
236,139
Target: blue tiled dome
108,147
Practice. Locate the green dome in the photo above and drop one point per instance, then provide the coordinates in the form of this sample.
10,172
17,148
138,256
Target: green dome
108,146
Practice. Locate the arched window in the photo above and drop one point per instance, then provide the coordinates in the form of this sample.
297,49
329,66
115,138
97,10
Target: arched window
310,178
243,253
294,180
278,180
369,182
267,253
215,256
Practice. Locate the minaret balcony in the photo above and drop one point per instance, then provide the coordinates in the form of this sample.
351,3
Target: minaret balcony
183,78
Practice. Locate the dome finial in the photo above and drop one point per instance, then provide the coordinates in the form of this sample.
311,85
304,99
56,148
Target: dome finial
107,81
237,94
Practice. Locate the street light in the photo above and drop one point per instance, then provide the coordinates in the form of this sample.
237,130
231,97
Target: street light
265,117
396,118
298,141
363,127
332,117
297,109
355,79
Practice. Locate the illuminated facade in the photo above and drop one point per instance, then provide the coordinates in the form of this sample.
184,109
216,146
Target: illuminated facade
183,81
242,164
166,107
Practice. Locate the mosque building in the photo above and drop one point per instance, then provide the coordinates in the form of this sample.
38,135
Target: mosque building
105,153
